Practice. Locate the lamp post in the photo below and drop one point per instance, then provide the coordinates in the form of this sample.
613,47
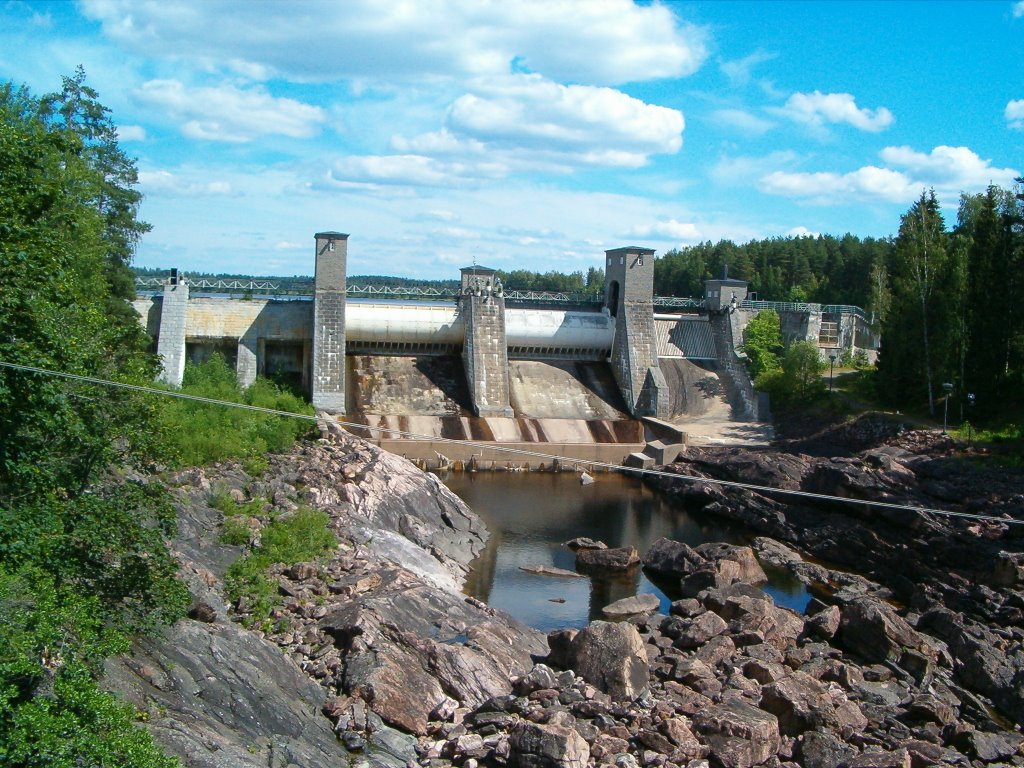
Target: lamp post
945,411
970,410
831,369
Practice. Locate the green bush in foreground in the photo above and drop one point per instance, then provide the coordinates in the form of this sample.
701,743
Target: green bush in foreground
199,433
306,535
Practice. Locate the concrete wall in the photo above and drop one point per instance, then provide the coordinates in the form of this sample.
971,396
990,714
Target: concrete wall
171,342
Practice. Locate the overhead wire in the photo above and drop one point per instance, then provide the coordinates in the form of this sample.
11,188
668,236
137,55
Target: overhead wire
516,451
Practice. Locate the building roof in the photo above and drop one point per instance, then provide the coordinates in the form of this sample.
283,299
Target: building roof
332,235
478,269
630,249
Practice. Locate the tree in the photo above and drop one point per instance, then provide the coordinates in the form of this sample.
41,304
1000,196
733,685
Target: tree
801,371
82,556
762,342
910,361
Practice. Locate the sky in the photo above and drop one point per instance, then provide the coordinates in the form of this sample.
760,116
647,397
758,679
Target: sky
530,134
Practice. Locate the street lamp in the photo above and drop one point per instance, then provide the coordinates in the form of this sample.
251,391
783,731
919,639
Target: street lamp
831,369
970,409
945,410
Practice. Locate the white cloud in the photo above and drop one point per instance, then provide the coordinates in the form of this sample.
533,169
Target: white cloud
1018,9
526,122
286,245
742,121
227,113
1015,111
131,133
744,168
817,108
801,232
614,41
169,184
670,229
739,70
867,182
950,170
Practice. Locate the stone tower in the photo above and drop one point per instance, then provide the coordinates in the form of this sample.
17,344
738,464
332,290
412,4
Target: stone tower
329,322
629,298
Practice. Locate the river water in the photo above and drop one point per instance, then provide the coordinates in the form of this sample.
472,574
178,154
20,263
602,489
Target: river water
531,515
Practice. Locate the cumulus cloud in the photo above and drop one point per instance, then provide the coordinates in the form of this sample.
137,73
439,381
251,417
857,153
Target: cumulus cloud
227,113
526,121
949,170
615,41
817,108
1015,112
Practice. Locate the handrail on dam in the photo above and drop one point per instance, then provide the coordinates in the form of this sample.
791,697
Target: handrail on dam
305,288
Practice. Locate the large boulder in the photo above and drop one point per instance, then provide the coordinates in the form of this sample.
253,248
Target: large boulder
740,735
875,632
749,570
611,657
535,745
612,559
672,558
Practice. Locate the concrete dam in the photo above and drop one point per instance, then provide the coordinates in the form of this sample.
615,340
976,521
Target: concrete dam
477,367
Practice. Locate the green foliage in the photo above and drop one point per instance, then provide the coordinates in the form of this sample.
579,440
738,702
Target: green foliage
197,433
798,380
53,640
306,535
235,532
763,342
82,556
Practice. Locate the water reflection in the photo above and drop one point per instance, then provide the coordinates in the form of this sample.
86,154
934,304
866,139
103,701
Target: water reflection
531,515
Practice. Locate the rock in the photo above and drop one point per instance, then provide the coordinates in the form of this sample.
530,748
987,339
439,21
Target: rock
615,559
780,627
822,620
222,690
989,747
582,542
875,632
821,749
800,703
560,647
672,558
550,570
541,676
611,657
898,759
740,735
693,633
629,606
750,571
533,745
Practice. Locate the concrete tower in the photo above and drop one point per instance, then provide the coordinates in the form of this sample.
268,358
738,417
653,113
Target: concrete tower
629,298
329,322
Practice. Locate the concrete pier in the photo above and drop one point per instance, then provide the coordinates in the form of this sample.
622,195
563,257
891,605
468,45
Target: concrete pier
171,341
329,322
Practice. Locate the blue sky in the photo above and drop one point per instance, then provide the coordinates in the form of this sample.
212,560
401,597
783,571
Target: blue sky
530,133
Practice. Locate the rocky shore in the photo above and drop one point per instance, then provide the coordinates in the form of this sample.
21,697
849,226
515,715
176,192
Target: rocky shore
912,654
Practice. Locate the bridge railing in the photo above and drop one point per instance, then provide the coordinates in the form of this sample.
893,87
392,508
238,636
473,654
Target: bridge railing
305,288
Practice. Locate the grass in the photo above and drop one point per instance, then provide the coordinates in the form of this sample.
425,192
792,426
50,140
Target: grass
306,535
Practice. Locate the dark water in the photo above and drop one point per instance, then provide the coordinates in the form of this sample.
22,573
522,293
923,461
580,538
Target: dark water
531,515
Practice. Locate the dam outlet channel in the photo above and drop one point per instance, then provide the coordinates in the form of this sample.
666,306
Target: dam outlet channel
530,516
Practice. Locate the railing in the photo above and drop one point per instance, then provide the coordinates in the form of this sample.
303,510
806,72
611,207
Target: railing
305,288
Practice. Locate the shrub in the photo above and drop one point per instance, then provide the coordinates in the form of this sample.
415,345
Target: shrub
200,433
763,342
306,535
